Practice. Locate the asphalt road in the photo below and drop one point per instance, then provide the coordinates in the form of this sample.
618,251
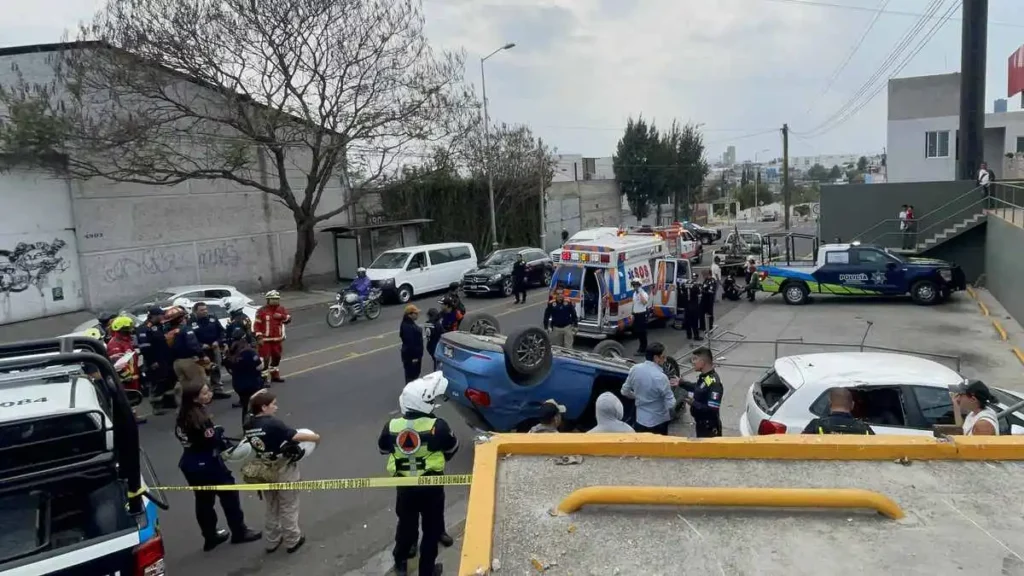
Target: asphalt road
344,384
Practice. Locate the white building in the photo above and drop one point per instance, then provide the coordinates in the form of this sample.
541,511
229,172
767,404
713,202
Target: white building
826,160
921,134
574,167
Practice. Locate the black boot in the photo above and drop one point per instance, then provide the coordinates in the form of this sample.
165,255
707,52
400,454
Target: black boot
446,540
217,539
246,535
401,569
413,550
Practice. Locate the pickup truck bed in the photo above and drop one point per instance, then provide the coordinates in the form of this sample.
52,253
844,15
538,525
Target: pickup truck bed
961,515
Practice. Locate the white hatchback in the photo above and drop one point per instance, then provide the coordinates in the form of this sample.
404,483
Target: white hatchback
894,393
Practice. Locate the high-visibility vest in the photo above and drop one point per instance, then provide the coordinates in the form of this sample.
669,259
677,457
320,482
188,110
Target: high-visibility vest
410,455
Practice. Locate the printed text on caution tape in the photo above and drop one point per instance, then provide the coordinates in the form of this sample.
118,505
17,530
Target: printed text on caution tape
335,484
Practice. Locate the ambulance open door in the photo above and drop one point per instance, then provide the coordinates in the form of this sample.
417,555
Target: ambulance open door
664,289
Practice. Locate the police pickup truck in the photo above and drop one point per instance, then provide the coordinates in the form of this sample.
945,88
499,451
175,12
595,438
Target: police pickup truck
863,270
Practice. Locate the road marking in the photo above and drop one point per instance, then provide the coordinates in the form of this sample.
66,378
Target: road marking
999,329
970,291
1018,354
386,334
984,309
354,355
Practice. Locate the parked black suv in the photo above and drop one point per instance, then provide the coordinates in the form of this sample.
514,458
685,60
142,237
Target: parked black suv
494,274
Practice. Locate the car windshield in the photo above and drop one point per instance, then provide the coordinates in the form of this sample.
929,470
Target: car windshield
151,299
568,277
500,258
390,261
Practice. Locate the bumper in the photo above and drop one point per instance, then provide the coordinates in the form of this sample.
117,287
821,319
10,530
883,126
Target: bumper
481,288
387,291
959,281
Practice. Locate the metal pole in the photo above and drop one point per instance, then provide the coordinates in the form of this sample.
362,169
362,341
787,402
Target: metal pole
540,177
973,46
487,157
785,173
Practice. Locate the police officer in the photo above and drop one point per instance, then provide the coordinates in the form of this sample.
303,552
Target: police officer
840,419
708,292
157,361
237,320
419,444
706,399
186,350
210,334
519,279
560,321
411,336
200,462
693,311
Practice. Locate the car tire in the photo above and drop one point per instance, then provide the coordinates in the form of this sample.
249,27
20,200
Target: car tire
480,323
528,355
610,349
506,287
795,293
404,294
925,293
547,278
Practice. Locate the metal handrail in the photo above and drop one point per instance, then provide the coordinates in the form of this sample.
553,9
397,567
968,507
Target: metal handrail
917,233
845,498
923,216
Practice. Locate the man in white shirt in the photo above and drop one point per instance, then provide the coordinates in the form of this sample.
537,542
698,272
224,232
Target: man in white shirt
716,271
640,302
903,217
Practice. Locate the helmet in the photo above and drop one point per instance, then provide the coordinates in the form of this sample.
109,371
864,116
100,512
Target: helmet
94,333
105,318
122,323
173,314
272,295
361,271
421,394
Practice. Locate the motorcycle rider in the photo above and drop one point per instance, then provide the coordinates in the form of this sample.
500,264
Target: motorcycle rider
121,344
269,327
157,360
211,334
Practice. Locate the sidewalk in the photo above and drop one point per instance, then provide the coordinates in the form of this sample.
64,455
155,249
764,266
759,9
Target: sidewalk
1006,329
53,326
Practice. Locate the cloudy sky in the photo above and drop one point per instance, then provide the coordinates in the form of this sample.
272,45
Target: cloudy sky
742,68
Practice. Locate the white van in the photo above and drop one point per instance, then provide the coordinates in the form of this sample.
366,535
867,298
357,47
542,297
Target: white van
404,272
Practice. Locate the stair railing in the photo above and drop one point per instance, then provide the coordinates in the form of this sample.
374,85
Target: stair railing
977,202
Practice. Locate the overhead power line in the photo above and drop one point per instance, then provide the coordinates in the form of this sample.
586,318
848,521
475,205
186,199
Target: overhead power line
834,5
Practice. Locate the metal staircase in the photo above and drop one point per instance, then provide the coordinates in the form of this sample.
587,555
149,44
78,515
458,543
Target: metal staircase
932,229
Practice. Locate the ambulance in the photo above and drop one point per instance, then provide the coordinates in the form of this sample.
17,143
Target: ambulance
681,242
597,277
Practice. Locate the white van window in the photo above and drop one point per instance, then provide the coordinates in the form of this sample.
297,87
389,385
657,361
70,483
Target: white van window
418,261
459,253
390,261
440,257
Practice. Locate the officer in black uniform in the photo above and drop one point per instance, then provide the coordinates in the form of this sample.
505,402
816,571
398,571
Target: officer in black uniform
706,399
693,311
840,419
419,444
708,292
157,361
202,466
211,335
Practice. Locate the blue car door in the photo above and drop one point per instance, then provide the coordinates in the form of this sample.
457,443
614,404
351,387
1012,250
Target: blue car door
884,274
831,275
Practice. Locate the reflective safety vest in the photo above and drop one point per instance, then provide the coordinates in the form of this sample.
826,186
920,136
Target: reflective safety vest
409,453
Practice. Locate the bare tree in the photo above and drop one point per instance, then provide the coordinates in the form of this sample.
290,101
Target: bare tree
310,91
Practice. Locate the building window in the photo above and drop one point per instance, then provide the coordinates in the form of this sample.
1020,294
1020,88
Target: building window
1020,144
936,144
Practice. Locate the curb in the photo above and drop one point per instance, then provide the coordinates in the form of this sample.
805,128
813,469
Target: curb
1018,354
999,329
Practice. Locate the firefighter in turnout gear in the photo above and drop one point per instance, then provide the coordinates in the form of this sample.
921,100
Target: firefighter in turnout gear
706,399
269,327
419,444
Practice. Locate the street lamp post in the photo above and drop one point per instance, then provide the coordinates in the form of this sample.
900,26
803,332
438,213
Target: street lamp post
757,178
487,144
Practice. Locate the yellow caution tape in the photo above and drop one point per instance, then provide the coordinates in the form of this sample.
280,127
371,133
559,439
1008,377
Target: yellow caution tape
335,484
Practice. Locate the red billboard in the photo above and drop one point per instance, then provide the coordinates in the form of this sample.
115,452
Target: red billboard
1015,73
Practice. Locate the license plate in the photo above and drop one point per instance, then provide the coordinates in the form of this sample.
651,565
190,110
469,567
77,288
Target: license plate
449,352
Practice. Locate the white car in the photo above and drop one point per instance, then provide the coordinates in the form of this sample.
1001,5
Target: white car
586,236
894,393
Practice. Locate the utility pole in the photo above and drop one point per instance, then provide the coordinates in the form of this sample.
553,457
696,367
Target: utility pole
540,177
785,173
973,45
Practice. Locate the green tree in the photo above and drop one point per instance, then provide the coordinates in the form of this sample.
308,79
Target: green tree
315,92
835,173
635,165
862,164
818,173
745,195
686,166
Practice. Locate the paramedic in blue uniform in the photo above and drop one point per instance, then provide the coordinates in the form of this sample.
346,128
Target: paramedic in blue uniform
419,444
706,400
640,301
201,464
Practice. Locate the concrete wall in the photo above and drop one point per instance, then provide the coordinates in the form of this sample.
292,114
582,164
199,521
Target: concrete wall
1004,267
849,211
905,149
966,250
575,206
134,238
39,265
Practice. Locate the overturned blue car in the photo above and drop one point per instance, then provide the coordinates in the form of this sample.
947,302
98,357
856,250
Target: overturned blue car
498,382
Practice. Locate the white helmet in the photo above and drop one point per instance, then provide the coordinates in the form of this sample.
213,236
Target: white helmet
421,394
360,270
272,295
184,303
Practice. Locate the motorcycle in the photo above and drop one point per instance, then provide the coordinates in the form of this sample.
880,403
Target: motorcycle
729,289
348,306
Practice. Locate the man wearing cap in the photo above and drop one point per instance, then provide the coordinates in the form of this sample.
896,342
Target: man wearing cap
560,320
550,417
157,361
640,302
651,390
976,400
412,343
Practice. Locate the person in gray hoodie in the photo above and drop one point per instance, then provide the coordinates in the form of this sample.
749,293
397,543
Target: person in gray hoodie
608,410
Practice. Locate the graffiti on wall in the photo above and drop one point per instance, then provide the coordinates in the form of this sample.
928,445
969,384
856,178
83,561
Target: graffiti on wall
223,256
146,263
30,264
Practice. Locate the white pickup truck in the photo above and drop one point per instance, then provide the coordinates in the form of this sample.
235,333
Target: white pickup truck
862,270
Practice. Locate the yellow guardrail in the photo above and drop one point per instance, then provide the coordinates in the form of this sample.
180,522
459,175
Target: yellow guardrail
731,497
